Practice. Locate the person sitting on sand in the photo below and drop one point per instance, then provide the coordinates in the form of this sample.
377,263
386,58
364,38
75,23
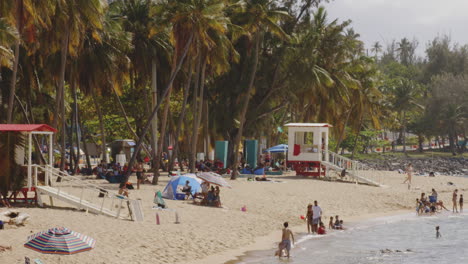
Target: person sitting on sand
187,189
321,229
123,190
337,223
454,200
217,199
309,218
285,243
211,196
440,205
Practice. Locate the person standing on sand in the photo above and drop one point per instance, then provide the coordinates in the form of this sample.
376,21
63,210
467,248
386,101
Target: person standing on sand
139,173
309,215
454,200
316,217
460,203
409,173
285,243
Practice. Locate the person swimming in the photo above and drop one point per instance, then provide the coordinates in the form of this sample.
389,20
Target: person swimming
438,234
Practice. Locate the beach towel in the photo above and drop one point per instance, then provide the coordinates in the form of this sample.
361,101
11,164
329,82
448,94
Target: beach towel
158,200
297,149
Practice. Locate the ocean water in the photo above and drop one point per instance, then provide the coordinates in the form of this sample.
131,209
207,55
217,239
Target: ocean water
403,239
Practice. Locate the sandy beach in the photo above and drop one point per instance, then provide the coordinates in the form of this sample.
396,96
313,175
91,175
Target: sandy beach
217,235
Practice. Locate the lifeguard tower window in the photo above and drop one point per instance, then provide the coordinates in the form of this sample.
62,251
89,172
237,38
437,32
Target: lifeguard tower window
306,141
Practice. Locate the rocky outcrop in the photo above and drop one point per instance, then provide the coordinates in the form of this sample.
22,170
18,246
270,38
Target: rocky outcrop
439,165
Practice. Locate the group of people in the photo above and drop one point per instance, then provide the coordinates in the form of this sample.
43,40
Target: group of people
314,225
431,204
209,194
209,165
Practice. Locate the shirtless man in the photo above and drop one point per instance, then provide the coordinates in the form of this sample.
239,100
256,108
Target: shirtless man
139,173
454,200
285,243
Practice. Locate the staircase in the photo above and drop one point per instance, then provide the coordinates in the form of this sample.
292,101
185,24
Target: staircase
355,170
83,195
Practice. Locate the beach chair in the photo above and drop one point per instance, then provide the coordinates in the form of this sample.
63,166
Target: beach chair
158,200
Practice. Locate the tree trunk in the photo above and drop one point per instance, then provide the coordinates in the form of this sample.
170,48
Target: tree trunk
404,132
357,137
101,126
154,125
60,98
13,85
77,127
245,107
11,100
198,114
85,147
36,142
340,139
175,150
127,122
156,108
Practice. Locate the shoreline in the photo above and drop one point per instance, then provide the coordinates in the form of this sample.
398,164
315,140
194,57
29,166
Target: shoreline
269,241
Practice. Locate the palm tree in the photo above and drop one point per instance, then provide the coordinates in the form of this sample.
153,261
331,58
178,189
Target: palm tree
403,97
406,51
151,46
25,15
376,49
259,17
72,20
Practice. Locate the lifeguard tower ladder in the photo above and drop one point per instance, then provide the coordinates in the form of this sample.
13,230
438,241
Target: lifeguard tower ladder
308,154
60,185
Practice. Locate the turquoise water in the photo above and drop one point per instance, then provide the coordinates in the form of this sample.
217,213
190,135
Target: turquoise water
403,239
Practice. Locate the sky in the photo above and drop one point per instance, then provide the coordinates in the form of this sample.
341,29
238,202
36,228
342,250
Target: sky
386,20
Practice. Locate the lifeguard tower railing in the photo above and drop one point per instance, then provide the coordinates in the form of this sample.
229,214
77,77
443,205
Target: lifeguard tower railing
82,194
355,170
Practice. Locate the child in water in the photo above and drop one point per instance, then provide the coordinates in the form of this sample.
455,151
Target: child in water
438,235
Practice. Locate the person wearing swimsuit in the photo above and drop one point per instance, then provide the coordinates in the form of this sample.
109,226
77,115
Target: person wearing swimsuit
309,215
454,200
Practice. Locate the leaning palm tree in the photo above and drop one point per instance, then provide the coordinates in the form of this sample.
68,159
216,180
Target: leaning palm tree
259,17
72,19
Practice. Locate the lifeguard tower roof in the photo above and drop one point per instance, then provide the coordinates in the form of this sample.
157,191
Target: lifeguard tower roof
308,125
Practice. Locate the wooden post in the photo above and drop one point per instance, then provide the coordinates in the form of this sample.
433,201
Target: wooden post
29,160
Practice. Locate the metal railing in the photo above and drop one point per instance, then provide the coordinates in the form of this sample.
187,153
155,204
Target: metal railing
85,195
354,168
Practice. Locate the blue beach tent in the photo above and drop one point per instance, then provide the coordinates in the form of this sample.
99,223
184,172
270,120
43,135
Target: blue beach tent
282,148
174,187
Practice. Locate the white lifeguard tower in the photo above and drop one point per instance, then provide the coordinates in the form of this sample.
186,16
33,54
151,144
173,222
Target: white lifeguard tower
308,155
307,143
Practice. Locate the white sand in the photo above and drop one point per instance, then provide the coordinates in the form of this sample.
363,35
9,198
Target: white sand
216,235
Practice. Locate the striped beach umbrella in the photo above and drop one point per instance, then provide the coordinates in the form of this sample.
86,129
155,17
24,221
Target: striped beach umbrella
60,240
213,178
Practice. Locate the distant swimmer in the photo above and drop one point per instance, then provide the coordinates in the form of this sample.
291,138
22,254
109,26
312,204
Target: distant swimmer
438,235
285,243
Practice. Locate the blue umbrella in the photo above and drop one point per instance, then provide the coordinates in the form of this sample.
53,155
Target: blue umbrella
282,148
